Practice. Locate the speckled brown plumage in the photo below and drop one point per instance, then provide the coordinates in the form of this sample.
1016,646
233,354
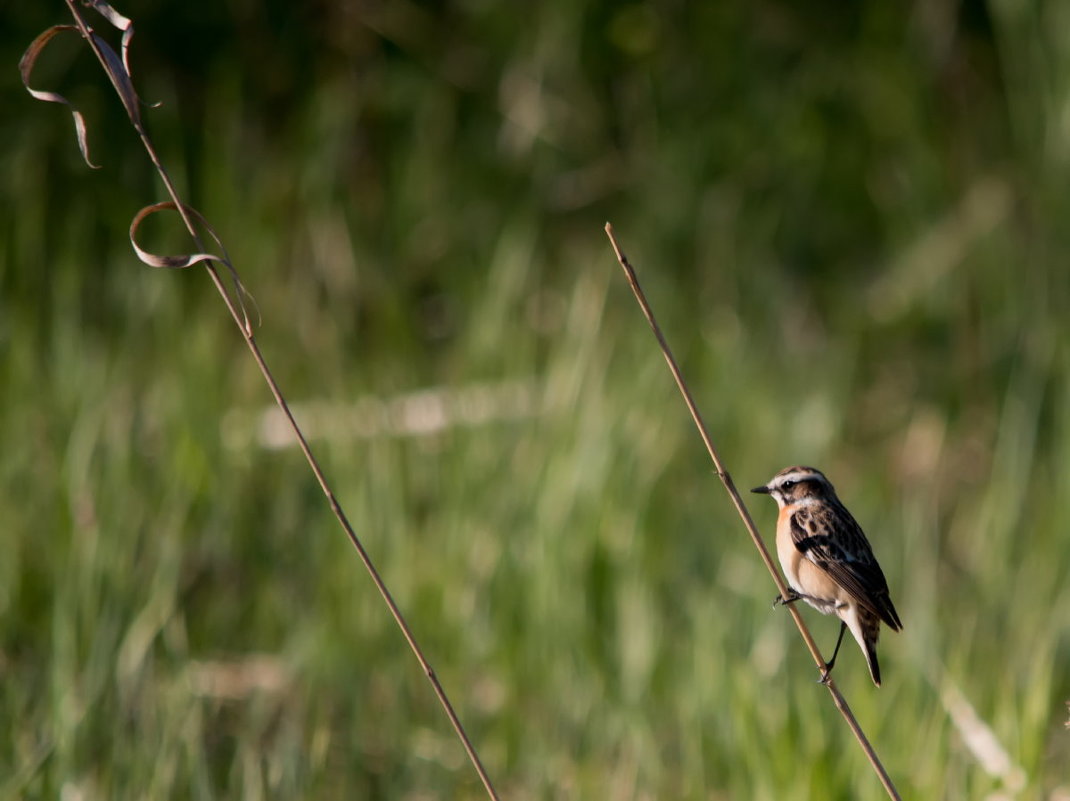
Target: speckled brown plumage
828,561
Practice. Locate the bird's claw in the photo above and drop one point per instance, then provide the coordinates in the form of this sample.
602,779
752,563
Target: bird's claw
780,600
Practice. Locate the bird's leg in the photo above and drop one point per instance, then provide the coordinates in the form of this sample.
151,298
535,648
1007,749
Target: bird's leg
827,670
780,600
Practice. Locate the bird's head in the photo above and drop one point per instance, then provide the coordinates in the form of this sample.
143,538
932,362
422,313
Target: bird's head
795,484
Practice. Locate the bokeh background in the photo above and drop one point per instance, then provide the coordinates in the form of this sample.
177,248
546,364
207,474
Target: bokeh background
852,220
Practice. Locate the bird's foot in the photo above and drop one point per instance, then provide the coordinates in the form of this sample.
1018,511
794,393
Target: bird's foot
826,674
780,600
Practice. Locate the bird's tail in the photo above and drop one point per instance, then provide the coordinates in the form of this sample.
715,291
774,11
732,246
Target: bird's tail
870,629
871,660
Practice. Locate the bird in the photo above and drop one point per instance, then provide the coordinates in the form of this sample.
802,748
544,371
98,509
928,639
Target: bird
829,562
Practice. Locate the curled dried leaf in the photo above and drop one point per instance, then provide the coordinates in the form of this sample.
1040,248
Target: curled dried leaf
120,78
26,65
118,69
115,18
189,214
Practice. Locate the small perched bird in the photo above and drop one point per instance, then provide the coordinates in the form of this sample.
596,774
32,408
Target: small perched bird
828,561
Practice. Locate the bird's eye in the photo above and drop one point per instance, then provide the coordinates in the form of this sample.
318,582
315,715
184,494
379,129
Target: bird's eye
789,484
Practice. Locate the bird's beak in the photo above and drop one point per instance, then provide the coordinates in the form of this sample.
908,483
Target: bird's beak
762,490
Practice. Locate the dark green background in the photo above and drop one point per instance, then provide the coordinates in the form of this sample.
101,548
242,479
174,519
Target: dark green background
852,221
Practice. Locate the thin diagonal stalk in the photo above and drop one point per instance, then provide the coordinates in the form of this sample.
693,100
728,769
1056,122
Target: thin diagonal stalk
748,522
246,329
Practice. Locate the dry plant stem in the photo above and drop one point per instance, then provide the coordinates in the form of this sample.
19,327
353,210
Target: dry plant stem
242,322
752,529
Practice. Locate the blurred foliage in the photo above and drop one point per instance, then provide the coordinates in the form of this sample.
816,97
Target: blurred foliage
851,221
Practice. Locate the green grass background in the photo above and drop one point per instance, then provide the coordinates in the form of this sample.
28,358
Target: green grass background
852,220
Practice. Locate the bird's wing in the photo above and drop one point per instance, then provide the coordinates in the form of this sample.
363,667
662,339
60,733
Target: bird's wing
831,539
